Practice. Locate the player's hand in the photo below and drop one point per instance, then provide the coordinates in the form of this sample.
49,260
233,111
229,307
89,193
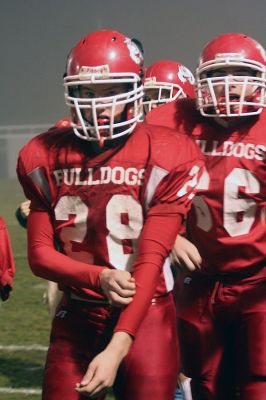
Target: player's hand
118,286
100,375
102,370
185,254
25,209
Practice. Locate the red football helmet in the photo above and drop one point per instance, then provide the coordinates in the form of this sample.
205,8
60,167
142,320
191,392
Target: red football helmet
104,57
233,64
166,81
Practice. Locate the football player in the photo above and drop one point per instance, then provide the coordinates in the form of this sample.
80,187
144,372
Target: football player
7,265
222,302
114,192
166,81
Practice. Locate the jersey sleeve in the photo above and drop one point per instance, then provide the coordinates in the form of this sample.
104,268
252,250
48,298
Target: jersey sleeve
7,265
37,194
168,208
48,263
175,192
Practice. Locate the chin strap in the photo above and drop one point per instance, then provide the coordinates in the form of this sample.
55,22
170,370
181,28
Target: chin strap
101,121
101,142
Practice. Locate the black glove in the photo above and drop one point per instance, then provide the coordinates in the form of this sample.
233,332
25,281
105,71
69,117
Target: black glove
4,292
21,218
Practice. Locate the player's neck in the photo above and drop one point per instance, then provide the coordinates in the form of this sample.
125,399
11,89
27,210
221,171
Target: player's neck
108,144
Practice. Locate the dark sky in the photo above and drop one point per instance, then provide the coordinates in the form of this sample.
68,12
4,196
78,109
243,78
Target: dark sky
36,36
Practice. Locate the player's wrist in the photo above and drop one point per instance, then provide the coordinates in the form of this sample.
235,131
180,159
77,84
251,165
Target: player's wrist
120,343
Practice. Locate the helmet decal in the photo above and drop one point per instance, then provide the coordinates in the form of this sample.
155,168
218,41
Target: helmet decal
134,51
262,51
184,74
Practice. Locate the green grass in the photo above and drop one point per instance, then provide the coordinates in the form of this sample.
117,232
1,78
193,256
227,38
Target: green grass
24,317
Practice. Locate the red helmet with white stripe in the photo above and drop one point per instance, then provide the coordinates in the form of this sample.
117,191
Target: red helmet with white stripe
244,56
166,81
104,57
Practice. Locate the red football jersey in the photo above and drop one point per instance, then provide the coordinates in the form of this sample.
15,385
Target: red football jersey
227,220
98,203
7,266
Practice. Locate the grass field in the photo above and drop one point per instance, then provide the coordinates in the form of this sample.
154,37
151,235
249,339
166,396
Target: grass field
25,324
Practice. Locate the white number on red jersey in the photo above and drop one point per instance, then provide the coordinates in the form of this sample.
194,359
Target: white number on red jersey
117,206
191,183
232,205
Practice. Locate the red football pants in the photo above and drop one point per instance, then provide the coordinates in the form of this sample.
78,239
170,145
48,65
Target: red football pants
222,330
81,330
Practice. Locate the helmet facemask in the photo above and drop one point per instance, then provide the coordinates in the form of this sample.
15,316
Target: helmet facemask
163,92
96,128
241,95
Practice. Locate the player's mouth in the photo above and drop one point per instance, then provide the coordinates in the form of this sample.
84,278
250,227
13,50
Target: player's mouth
103,121
234,97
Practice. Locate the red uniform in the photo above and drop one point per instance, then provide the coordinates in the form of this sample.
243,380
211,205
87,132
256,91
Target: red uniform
98,205
7,266
224,306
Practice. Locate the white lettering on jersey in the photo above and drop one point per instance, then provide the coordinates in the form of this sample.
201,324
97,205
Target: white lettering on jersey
117,175
250,151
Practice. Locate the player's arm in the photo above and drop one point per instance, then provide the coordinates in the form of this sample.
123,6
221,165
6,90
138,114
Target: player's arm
7,265
102,370
48,263
53,296
154,246
168,210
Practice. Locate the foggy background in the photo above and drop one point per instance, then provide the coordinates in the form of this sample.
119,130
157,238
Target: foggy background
37,35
